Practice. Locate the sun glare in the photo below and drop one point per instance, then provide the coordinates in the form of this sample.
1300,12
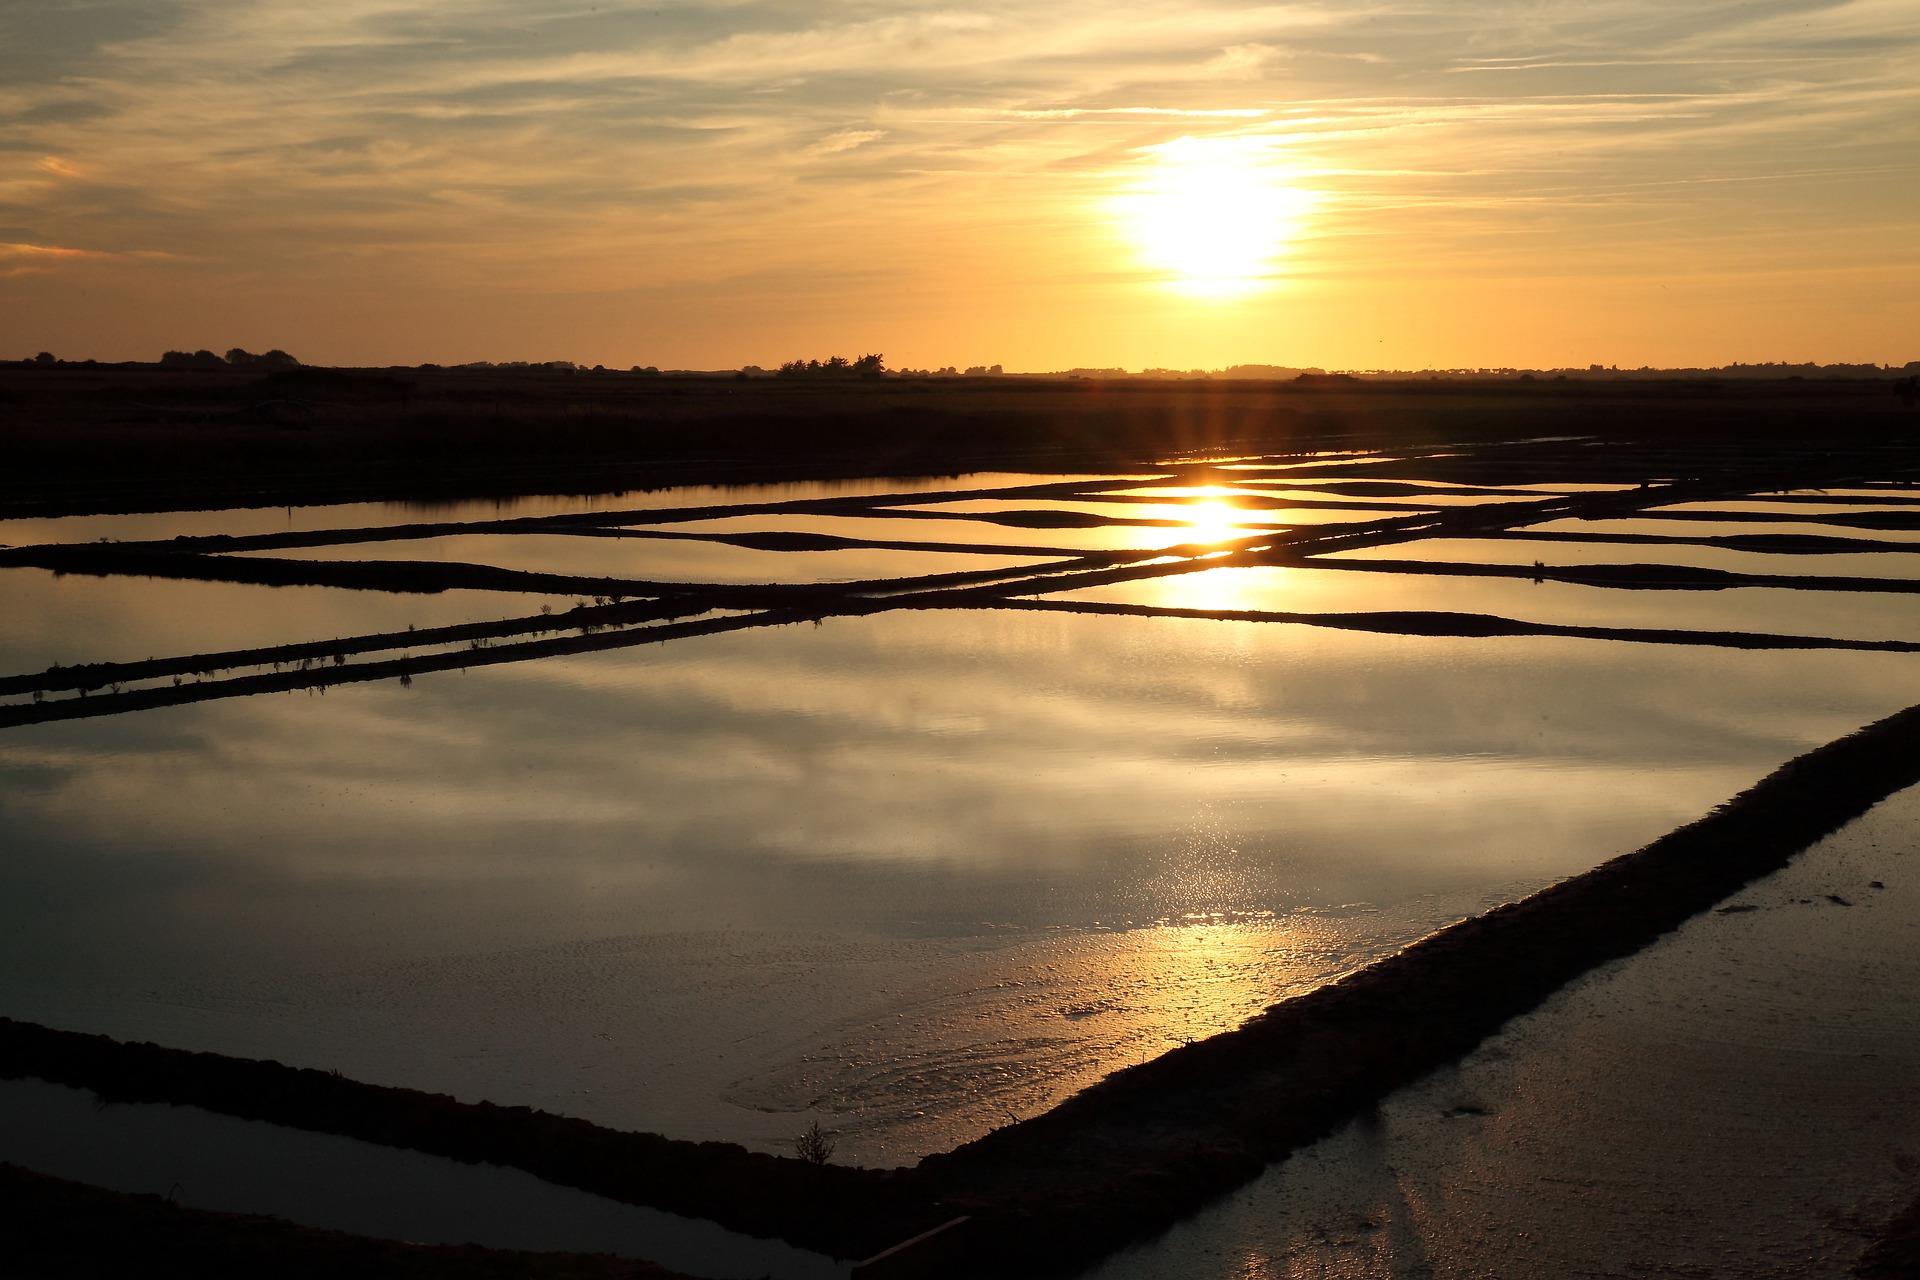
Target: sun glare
1213,215
1212,521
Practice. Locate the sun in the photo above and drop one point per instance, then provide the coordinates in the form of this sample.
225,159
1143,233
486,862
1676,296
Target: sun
1212,215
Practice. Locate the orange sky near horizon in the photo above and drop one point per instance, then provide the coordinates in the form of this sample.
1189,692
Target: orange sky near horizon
710,183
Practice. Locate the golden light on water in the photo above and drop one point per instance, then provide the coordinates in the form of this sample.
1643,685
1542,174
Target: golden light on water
1213,520
1213,216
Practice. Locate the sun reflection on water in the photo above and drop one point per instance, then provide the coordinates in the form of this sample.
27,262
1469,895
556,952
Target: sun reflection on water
1213,521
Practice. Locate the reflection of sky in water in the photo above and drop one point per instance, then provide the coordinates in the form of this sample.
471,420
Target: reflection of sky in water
1773,610
1208,511
73,618
888,864
1620,1128
239,521
955,530
1795,510
658,559
217,1162
1846,564
1721,528
1413,501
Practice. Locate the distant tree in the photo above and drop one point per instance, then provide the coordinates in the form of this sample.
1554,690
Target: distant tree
202,359
871,365
45,359
240,357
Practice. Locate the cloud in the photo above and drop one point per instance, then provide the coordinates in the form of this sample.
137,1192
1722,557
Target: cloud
58,252
842,140
487,145
1243,60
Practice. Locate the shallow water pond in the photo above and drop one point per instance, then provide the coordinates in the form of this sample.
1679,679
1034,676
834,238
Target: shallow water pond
1303,589
74,618
660,559
242,521
1900,563
913,873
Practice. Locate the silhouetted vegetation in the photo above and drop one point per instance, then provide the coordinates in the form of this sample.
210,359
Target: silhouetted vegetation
240,358
814,1145
201,359
871,365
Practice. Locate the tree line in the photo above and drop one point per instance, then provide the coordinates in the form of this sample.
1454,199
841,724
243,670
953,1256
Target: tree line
871,365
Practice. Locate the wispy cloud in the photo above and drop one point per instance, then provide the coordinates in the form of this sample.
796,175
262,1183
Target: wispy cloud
824,153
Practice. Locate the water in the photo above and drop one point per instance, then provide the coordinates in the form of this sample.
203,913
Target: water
241,521
658,559
912,873
205,1161
76,618
952,530
1732,1101
1900,563
1788,523
1763,610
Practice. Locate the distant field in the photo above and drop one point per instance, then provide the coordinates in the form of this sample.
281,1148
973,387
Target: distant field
143,439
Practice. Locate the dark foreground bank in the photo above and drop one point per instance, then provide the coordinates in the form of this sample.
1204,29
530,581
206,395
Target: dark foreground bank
144,439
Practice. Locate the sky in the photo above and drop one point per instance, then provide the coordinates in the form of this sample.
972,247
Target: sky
711,183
